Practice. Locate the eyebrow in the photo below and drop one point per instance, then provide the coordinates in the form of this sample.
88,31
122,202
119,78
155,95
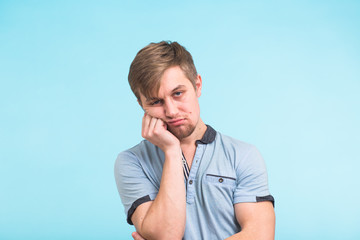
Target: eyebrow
151,99
178,87
174,90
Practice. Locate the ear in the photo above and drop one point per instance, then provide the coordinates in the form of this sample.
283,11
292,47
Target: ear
198,84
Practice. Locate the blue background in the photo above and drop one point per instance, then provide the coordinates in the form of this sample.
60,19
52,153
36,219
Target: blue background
283,75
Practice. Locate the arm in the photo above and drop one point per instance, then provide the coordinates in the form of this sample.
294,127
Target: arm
257,221
163,218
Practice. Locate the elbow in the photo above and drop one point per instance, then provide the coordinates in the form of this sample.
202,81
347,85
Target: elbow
163,237
160,232
153,235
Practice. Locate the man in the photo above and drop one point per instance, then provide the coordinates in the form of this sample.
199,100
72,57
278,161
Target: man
186,180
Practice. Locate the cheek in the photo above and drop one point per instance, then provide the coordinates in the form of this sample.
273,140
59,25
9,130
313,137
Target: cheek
192,108
155,112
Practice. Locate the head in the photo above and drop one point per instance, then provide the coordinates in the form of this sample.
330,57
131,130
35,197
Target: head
164,79
151,62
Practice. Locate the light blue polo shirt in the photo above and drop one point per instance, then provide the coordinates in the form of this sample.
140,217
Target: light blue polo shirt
224,171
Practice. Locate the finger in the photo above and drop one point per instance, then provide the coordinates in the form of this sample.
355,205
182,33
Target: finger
145,123
137,236
160,125
134,235
148,125
152,125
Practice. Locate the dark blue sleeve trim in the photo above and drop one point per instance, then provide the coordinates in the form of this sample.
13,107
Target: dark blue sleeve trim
266,198
135,205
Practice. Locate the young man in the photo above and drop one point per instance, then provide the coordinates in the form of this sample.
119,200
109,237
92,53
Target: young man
186,180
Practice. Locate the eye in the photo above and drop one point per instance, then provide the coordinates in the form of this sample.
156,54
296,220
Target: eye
177,94
155,102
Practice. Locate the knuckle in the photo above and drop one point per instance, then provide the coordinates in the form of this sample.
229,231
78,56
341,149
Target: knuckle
156,131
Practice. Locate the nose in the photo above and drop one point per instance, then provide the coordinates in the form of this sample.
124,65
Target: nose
170,109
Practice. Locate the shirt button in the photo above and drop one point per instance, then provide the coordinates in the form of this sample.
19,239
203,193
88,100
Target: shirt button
190,182
221,180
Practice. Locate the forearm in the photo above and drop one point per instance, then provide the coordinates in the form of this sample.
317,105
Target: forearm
257,221
166,217
243,235
240,236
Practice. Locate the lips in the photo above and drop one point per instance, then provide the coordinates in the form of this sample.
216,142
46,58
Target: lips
176,122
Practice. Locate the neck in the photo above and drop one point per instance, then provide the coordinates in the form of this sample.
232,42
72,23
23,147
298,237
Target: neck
198,133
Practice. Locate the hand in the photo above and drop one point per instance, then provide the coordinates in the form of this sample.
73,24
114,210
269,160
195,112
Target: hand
137,236
155,131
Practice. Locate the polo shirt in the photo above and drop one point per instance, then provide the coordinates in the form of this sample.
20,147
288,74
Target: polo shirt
224,171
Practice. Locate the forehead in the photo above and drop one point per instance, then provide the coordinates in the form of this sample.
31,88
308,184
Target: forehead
172,78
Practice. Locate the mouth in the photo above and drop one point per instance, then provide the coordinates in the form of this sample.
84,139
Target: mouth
176,122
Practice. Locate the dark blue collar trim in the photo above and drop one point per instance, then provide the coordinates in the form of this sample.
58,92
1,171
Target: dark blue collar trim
209,136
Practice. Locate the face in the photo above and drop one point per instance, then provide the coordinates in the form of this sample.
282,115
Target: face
176,103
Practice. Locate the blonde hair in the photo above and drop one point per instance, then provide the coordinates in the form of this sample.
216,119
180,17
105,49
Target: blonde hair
151,62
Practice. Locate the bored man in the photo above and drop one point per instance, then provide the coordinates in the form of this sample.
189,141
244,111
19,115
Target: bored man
186,180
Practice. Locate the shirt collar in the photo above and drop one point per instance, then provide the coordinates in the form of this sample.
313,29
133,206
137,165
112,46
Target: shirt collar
209,136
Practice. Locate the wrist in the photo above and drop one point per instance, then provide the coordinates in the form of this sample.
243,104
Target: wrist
173,151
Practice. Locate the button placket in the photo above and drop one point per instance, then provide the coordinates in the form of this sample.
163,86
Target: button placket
193,171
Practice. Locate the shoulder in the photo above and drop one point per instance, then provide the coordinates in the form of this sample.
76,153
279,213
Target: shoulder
144,147
144,155
243,154
137,152
232,144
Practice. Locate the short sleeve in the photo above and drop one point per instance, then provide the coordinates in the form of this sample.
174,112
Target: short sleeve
132,183
252,179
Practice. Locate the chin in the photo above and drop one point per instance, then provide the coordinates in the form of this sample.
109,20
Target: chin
181,133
